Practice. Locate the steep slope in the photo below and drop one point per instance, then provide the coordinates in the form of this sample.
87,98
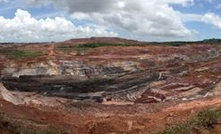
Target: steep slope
133,74
108,85
7,96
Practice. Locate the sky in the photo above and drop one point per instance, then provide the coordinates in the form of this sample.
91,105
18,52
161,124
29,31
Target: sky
145,20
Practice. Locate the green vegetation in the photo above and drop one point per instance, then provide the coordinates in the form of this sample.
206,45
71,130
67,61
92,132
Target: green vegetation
8,125
90,45
170,43
77,49
212,41
175,43
84,47
95,45
14,53
23,130
181,43
205,120
25,54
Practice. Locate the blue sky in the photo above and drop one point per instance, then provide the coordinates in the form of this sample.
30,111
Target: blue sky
148,20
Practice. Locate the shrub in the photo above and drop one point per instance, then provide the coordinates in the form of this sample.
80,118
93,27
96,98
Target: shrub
7,124
207,119
181,128
23,130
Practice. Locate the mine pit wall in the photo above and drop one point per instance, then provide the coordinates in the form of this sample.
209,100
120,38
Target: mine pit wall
69,68
124,88
99,79
87,67
73,79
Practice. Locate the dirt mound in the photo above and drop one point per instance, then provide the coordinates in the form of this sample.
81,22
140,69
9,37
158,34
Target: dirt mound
112,40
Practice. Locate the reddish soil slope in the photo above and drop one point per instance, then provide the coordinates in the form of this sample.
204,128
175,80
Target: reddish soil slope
134,88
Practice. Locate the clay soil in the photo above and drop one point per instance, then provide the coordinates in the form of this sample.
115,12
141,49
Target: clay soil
195,68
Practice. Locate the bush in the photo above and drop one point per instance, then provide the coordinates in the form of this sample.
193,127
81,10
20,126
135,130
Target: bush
181,128
23,130
8,125
207,119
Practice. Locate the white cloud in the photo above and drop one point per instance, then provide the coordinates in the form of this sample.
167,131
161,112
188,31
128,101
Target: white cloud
24,28
209,18
138,17
218,6
3,0
191,17
98,5
213,19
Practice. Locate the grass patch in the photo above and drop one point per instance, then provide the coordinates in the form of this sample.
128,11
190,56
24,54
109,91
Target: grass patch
17,54
205,120
25,54
95,45
77,49
84,47
8,125
37,131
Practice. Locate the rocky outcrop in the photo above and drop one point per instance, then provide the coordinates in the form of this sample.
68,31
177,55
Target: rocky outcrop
70,68
8,96
128,74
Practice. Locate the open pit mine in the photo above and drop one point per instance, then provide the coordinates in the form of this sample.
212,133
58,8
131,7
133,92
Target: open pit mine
105,85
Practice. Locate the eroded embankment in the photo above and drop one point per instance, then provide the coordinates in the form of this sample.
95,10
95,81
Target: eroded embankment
124,88
125,73
136,74
155,86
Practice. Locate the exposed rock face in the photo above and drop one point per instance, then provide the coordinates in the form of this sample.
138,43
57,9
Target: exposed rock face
133,74
7,96
216,91
70,68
